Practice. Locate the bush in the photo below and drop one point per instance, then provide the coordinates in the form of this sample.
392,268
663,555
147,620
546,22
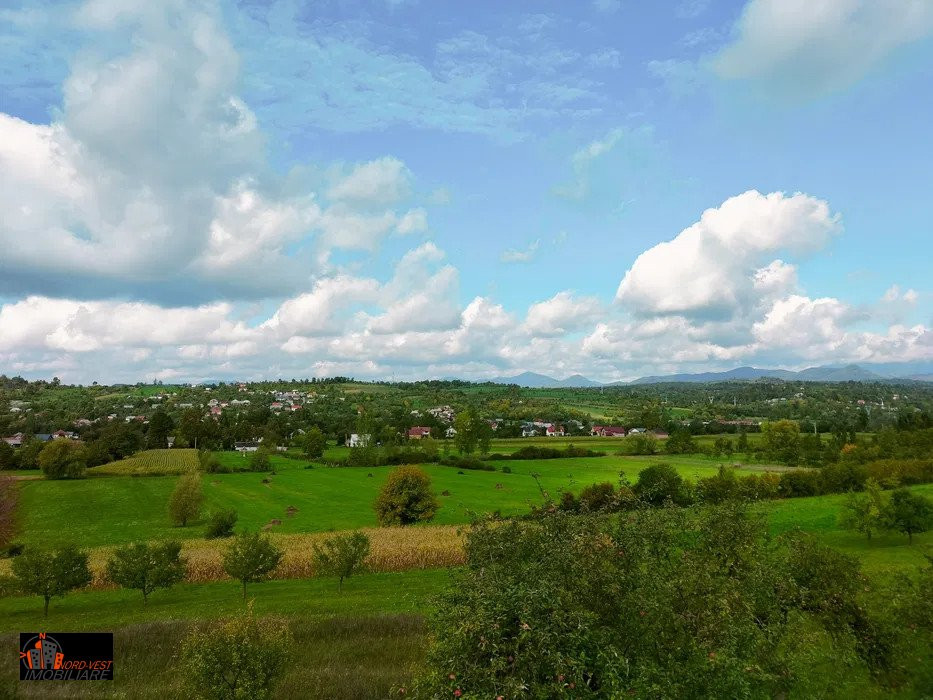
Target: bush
506,469
185,502
798,483
221,524
909,513
238,659
209,463
661,482
716,489
601,496
662,603
406,498
260,461
341,555
62,459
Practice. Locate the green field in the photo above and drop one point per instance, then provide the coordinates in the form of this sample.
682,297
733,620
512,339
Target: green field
115,510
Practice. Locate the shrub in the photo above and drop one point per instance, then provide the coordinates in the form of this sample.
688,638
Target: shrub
221,524
601,496
209,463
661,482
716,489
467,463
147,567
9,497
660,603
238,659
506,469
62,459
797,483
313,443
406,498
47,574
185,502
260,461
341,555
250,558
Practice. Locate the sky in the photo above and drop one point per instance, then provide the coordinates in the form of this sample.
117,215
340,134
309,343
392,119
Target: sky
414,189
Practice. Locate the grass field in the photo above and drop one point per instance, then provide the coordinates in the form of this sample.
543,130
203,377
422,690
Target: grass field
115,510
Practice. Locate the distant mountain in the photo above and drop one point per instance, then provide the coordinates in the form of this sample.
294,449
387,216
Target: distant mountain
849,373
533,380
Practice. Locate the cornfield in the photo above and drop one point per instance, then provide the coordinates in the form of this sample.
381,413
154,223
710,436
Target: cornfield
151,463
392,549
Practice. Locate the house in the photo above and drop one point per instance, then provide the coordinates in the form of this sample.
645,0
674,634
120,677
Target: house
276,405
529,430
609,431
244,447
44,437
554,430
660,435
63,435
82,423
450,432
170,441
216,410
15,440
418,432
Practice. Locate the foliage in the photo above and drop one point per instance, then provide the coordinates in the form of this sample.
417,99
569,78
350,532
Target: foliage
251,558
208,462
9,498
908,513
240,659
341,555
864,511
406,498
657,603
260,461
473,433
62,459
680,442
49,574
160,428
7,456
313,443
146,567
782,440
660,483
221,524
185,502
599,496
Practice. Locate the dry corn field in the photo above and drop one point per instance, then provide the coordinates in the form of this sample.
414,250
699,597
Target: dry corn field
393,549
151,463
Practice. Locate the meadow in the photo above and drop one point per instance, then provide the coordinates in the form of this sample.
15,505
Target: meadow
118,509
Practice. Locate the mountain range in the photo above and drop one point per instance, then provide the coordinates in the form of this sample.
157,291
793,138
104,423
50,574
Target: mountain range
848,373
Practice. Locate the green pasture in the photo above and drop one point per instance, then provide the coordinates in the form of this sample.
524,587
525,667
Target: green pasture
118,509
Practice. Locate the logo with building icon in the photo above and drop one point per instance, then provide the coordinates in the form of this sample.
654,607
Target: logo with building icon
42,653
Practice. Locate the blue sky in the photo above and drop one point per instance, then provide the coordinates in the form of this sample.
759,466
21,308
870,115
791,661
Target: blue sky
411,188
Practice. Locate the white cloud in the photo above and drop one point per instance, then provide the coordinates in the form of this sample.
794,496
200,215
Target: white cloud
709,270
380,183
561,314
806,47
607,6
513,255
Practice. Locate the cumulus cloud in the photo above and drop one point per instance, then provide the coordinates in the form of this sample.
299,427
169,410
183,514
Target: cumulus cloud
152,180
561,314
803,48
713,269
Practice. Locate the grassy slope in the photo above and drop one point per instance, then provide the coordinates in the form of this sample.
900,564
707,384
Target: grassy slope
114,510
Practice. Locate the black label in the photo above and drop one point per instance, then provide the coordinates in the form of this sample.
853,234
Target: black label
66,656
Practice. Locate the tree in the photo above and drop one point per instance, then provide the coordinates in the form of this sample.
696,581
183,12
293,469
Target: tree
186,499
62,459
221,524
314,443
464,439
406,498
680,442
742,444
7,456
782,440
659,483
161,426
27,456
48,574
909,513
9,496
250,558
239,659
341,555
147,567
864,511
260,461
